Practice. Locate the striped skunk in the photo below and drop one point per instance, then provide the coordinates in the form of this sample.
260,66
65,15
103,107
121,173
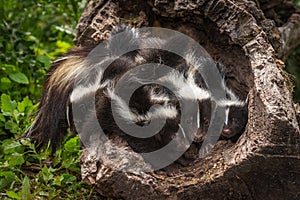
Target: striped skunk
60,95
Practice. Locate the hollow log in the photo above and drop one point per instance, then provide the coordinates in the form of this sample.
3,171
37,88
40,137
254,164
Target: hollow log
252,39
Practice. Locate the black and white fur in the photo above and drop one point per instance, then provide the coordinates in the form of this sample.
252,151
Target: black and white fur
55,117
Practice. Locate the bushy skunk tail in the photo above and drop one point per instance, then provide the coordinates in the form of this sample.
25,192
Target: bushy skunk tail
51,122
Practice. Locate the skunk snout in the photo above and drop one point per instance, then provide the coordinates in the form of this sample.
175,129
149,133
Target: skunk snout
226,132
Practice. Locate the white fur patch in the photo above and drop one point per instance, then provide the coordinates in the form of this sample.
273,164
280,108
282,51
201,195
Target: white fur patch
192,91
232,100
193,60
68,117
226,115
228,102
135,33
162,112
63,58
81,91
139,59
121,107
69,70
231,93
124,111
182,130
63,76
158,97
185,88
198,117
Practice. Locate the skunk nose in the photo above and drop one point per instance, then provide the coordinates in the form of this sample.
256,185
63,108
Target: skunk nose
226,132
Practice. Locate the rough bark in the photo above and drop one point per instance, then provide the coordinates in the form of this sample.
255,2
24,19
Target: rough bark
250,38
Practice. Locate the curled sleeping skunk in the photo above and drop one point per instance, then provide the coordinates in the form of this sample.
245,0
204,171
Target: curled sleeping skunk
59,96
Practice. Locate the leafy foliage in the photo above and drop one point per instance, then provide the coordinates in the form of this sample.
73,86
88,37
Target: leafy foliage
33,33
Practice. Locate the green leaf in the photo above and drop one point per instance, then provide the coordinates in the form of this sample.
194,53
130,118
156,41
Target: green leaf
5,83
9,68
19,77
45,60
24,104
7,105
6,178
10,147
15,159
26,189
58,180
47,173
2,122
67,178
72,145
2,118
8,175
62,47
12,126
12,194
4,183
31,38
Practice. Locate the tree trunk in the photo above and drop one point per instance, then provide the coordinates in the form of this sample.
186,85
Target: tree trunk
251,38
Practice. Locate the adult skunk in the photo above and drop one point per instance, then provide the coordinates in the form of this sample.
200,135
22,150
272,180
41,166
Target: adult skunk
59,94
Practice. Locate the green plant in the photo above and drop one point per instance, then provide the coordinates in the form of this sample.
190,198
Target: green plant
33,33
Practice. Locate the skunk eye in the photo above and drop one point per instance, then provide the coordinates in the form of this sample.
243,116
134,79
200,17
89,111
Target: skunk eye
206,122
234,120
156,90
